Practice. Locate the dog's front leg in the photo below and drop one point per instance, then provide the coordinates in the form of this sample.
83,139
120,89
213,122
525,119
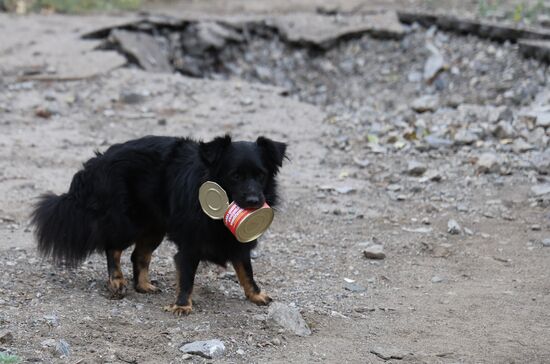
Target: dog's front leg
243,268
186,267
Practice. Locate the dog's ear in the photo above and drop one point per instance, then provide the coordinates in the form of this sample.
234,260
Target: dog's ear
273,152
212,151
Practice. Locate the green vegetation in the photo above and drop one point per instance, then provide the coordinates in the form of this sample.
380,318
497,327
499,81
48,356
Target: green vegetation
9,359
68,6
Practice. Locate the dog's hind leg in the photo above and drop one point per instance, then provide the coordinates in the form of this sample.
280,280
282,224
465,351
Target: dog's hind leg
117,284
141,258
245,275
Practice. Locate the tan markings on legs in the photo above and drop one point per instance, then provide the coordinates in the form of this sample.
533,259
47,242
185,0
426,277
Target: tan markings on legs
117,283
141,259
180,310
259,298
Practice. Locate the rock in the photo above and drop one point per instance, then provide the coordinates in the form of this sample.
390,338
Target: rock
453,227
6,337
143,48
288,318
437,279
543,119
387,353
441,251
487,163
210,35
209,349
240,351
431,175
546,243
425,103
354,287
415,168
52,319
420,230
540,190
43,112
375,251
344,190
503,130
63,348
361,162
48,343
521,146
536,227
434,64
437,142
131,97
465,137
541,161
324,31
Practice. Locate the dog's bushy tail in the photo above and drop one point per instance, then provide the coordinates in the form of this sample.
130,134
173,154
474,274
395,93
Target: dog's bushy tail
63,229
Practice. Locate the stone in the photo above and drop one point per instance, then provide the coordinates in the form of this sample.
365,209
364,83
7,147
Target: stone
465,137
437,279
387,353
540,190
289,318
536,227
6,337
415,168
324,31
354,287
521,146
375,251
131,97
543,119
143,48
487,163
434,64
541,161
546,243
212,35
453,227
503,130
425,103
210,349
48,343
437,142
63,348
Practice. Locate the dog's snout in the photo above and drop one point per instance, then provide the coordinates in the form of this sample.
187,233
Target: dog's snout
252,201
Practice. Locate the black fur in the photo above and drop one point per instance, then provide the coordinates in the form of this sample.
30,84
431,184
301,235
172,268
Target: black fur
148,188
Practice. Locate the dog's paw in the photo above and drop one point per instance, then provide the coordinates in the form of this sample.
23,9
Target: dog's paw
261,299
179,310
147,288
117,287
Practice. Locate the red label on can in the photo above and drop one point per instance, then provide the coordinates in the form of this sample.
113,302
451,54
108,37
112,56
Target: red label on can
235,214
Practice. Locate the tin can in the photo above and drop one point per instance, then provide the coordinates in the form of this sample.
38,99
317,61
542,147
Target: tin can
245,224
248,224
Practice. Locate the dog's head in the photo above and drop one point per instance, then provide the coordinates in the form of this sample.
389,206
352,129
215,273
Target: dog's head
245,170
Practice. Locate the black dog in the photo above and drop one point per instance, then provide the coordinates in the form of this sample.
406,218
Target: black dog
140,191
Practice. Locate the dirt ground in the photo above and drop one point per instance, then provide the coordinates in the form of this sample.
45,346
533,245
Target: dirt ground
479,296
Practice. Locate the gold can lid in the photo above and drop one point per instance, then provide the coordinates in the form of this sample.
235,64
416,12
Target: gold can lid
213,199
254,225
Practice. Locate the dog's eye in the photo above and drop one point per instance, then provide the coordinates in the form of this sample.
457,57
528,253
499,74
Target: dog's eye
235,176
